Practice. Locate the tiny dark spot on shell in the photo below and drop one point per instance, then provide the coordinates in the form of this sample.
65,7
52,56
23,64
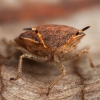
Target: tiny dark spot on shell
36,31
61,51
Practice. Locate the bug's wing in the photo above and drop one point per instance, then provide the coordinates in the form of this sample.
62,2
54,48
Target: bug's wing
57,39
55,36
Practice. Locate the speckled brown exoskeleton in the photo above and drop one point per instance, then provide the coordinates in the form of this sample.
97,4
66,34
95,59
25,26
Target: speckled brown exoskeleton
49,42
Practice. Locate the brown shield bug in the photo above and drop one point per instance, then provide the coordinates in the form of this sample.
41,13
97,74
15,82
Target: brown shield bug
49,42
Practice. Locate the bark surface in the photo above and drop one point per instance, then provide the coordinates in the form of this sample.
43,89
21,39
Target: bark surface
81,82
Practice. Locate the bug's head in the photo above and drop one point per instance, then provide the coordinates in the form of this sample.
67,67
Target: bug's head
81,33
77,36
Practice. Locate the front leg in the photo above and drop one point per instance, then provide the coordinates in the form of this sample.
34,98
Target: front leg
12,53
80,53
29,56
62,68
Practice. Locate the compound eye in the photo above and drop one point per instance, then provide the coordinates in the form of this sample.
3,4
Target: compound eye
36,31
77,33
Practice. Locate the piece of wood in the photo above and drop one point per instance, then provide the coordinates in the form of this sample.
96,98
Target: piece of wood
81,82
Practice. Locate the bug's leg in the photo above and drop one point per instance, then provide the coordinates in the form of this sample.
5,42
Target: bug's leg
10,55
62,68
80,53
22,49
29,56
19,74
90,60
86,51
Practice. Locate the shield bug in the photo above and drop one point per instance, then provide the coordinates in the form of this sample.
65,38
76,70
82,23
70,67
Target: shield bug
49,42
